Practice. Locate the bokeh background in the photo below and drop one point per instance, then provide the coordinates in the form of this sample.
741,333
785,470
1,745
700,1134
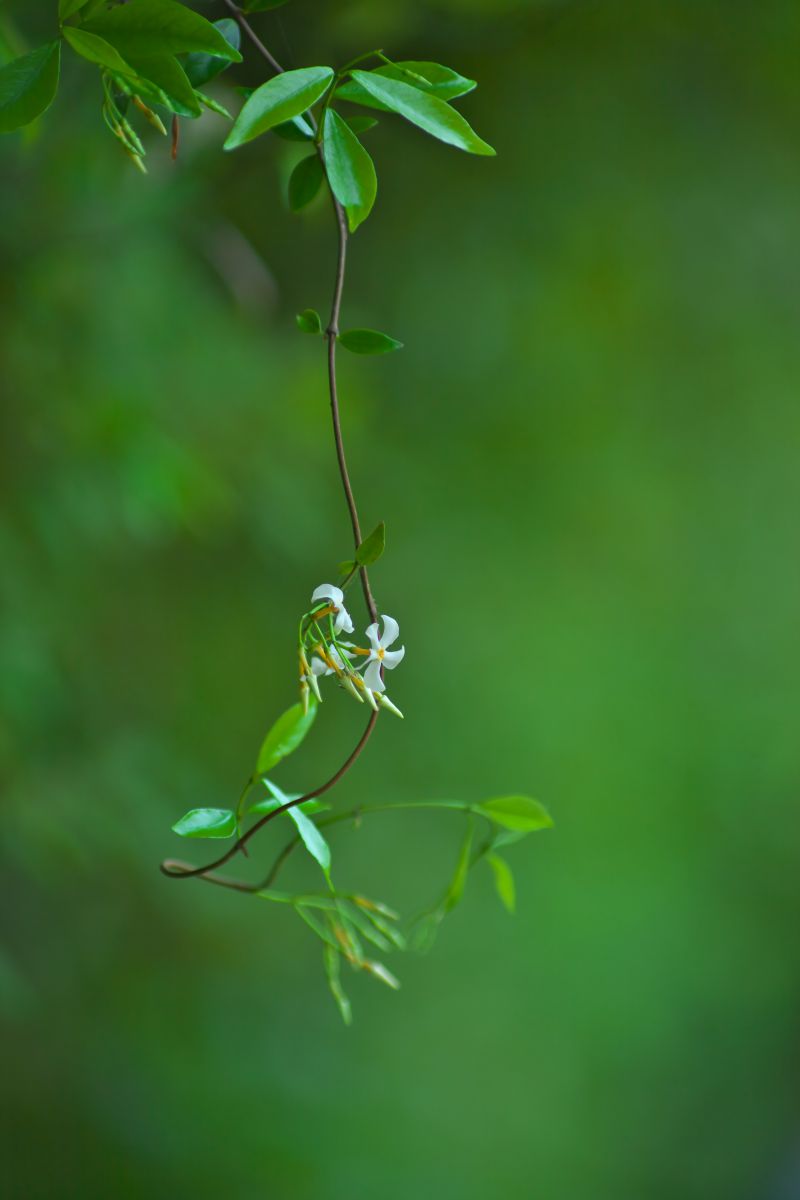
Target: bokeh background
587,460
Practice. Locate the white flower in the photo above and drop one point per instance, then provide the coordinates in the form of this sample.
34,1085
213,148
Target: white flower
328,591
380,655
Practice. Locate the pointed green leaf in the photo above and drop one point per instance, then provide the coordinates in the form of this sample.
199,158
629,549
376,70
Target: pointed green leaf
269,804
207,823
202,68
347,567
277,101
368,341
333,962
426,111
305,182
147,27
28,86
519,813
310,836
459,881
351,171
427,76
372,547
503,881
309,321
285,735
96,50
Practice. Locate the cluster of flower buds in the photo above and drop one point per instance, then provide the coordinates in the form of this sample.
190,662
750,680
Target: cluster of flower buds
359,670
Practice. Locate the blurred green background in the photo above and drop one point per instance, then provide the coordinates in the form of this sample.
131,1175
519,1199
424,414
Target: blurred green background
587,460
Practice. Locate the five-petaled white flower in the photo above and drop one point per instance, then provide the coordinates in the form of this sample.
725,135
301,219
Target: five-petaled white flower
328,591
380,655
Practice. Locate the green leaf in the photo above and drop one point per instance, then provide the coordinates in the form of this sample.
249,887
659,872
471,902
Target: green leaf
519,813
427,76
372,547
426,111
332,961
361,124
158,27
285,735
269,804
459,881
305,182
503,881
296,130
351,172
368,341
309,321
28,86
96,50
207,823
169,77
202,68
310,836
347,567
278,100
67,7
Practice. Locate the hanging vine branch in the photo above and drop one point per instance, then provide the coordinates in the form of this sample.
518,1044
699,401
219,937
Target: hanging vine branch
156,57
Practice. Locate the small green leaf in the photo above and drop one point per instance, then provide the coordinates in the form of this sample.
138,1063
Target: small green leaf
269,804
351,171
285,735
426,111
309,321
361,124
96,50
347,567
372,547
158,27
305,182
503,881
277,101
310,836
207,823
332,961
459,881
296,130
202,68
28,86
66,8
427,76
368,341
519,813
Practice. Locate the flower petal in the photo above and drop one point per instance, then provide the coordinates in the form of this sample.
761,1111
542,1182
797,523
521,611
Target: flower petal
391,658
372,677
343,622
327,591
372,635
318,667
390,631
